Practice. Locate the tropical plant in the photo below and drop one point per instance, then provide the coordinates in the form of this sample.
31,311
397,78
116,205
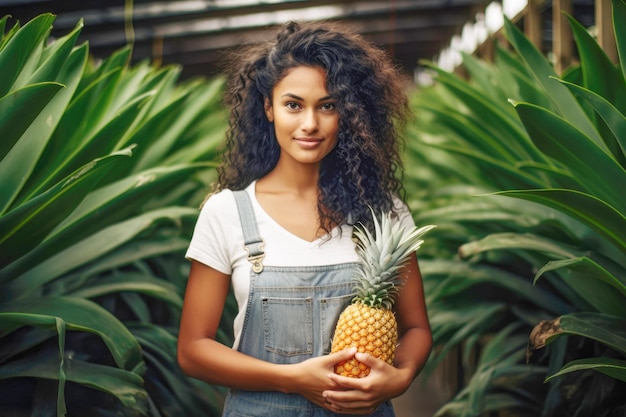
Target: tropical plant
102,167
523,172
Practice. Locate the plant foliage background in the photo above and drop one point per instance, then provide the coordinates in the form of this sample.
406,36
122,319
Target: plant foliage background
523,170
103,167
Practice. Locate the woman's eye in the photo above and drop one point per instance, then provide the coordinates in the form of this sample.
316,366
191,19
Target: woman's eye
292,105
328,106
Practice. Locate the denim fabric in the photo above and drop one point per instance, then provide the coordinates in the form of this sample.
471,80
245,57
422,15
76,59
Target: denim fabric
290,317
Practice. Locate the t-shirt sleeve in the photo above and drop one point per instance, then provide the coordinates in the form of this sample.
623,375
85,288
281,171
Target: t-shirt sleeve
212,237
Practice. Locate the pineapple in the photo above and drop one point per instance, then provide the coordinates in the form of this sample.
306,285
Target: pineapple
369,323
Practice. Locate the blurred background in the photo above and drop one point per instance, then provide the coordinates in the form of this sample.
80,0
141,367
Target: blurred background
194,33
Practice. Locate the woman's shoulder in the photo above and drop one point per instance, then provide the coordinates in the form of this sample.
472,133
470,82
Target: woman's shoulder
220,199
219,207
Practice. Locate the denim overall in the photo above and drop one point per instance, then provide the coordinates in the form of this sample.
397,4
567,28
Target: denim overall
290,317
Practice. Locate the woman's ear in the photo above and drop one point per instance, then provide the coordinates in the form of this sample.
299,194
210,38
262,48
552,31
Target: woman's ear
269,110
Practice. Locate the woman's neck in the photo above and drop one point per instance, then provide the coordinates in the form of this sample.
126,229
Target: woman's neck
299,180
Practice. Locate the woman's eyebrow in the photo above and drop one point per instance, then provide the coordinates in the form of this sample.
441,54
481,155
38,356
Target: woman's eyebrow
295,97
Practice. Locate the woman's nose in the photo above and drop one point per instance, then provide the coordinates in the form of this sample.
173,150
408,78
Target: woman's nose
309,121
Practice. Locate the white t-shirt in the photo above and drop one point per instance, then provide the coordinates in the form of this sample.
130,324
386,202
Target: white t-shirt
218,242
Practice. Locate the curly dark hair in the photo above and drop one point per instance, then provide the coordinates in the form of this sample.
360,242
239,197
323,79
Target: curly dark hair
364,169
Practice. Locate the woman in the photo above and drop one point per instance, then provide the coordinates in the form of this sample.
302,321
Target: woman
313,143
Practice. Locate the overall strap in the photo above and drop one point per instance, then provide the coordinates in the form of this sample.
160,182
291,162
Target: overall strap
253,242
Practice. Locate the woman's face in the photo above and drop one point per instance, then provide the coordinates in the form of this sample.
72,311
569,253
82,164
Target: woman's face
305,117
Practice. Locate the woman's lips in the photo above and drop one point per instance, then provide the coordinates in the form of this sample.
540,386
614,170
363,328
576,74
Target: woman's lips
308,143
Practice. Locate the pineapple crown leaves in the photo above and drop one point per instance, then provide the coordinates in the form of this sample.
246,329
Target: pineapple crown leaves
383,254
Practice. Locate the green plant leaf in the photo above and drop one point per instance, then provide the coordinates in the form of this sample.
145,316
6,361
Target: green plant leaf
4,40
3,23
132,253
129,282
90,248
515,78
112,203
604,328
20,108
81,315
597,170
169,124
587,209
23,47
599,73
539,67
17,320
495,119
614,119
39,216
19,163
592,282
619,16
54,57
614,368
462,277
587,267
499,241
101,143
124,385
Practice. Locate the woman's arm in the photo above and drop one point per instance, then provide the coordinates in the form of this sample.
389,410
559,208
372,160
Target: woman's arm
202,357
384,381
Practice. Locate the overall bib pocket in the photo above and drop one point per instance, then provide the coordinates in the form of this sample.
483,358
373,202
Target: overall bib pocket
283,339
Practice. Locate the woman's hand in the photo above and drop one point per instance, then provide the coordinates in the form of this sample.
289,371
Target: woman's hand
311,376
364,395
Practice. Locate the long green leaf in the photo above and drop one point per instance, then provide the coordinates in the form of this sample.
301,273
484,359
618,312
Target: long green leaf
592,288
598,171
17,320
592,282
101,143
604,328
3,23
112,203
82,315
599,73
91,248
614,368
169,124
20,108
124,385
537,65
500,123
614,119
40,215
10,34
19,163
127,282
463,277
500,241
132,253
86,113
619,16
20,49
515,78
589,210
587,267
507,173
54,57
